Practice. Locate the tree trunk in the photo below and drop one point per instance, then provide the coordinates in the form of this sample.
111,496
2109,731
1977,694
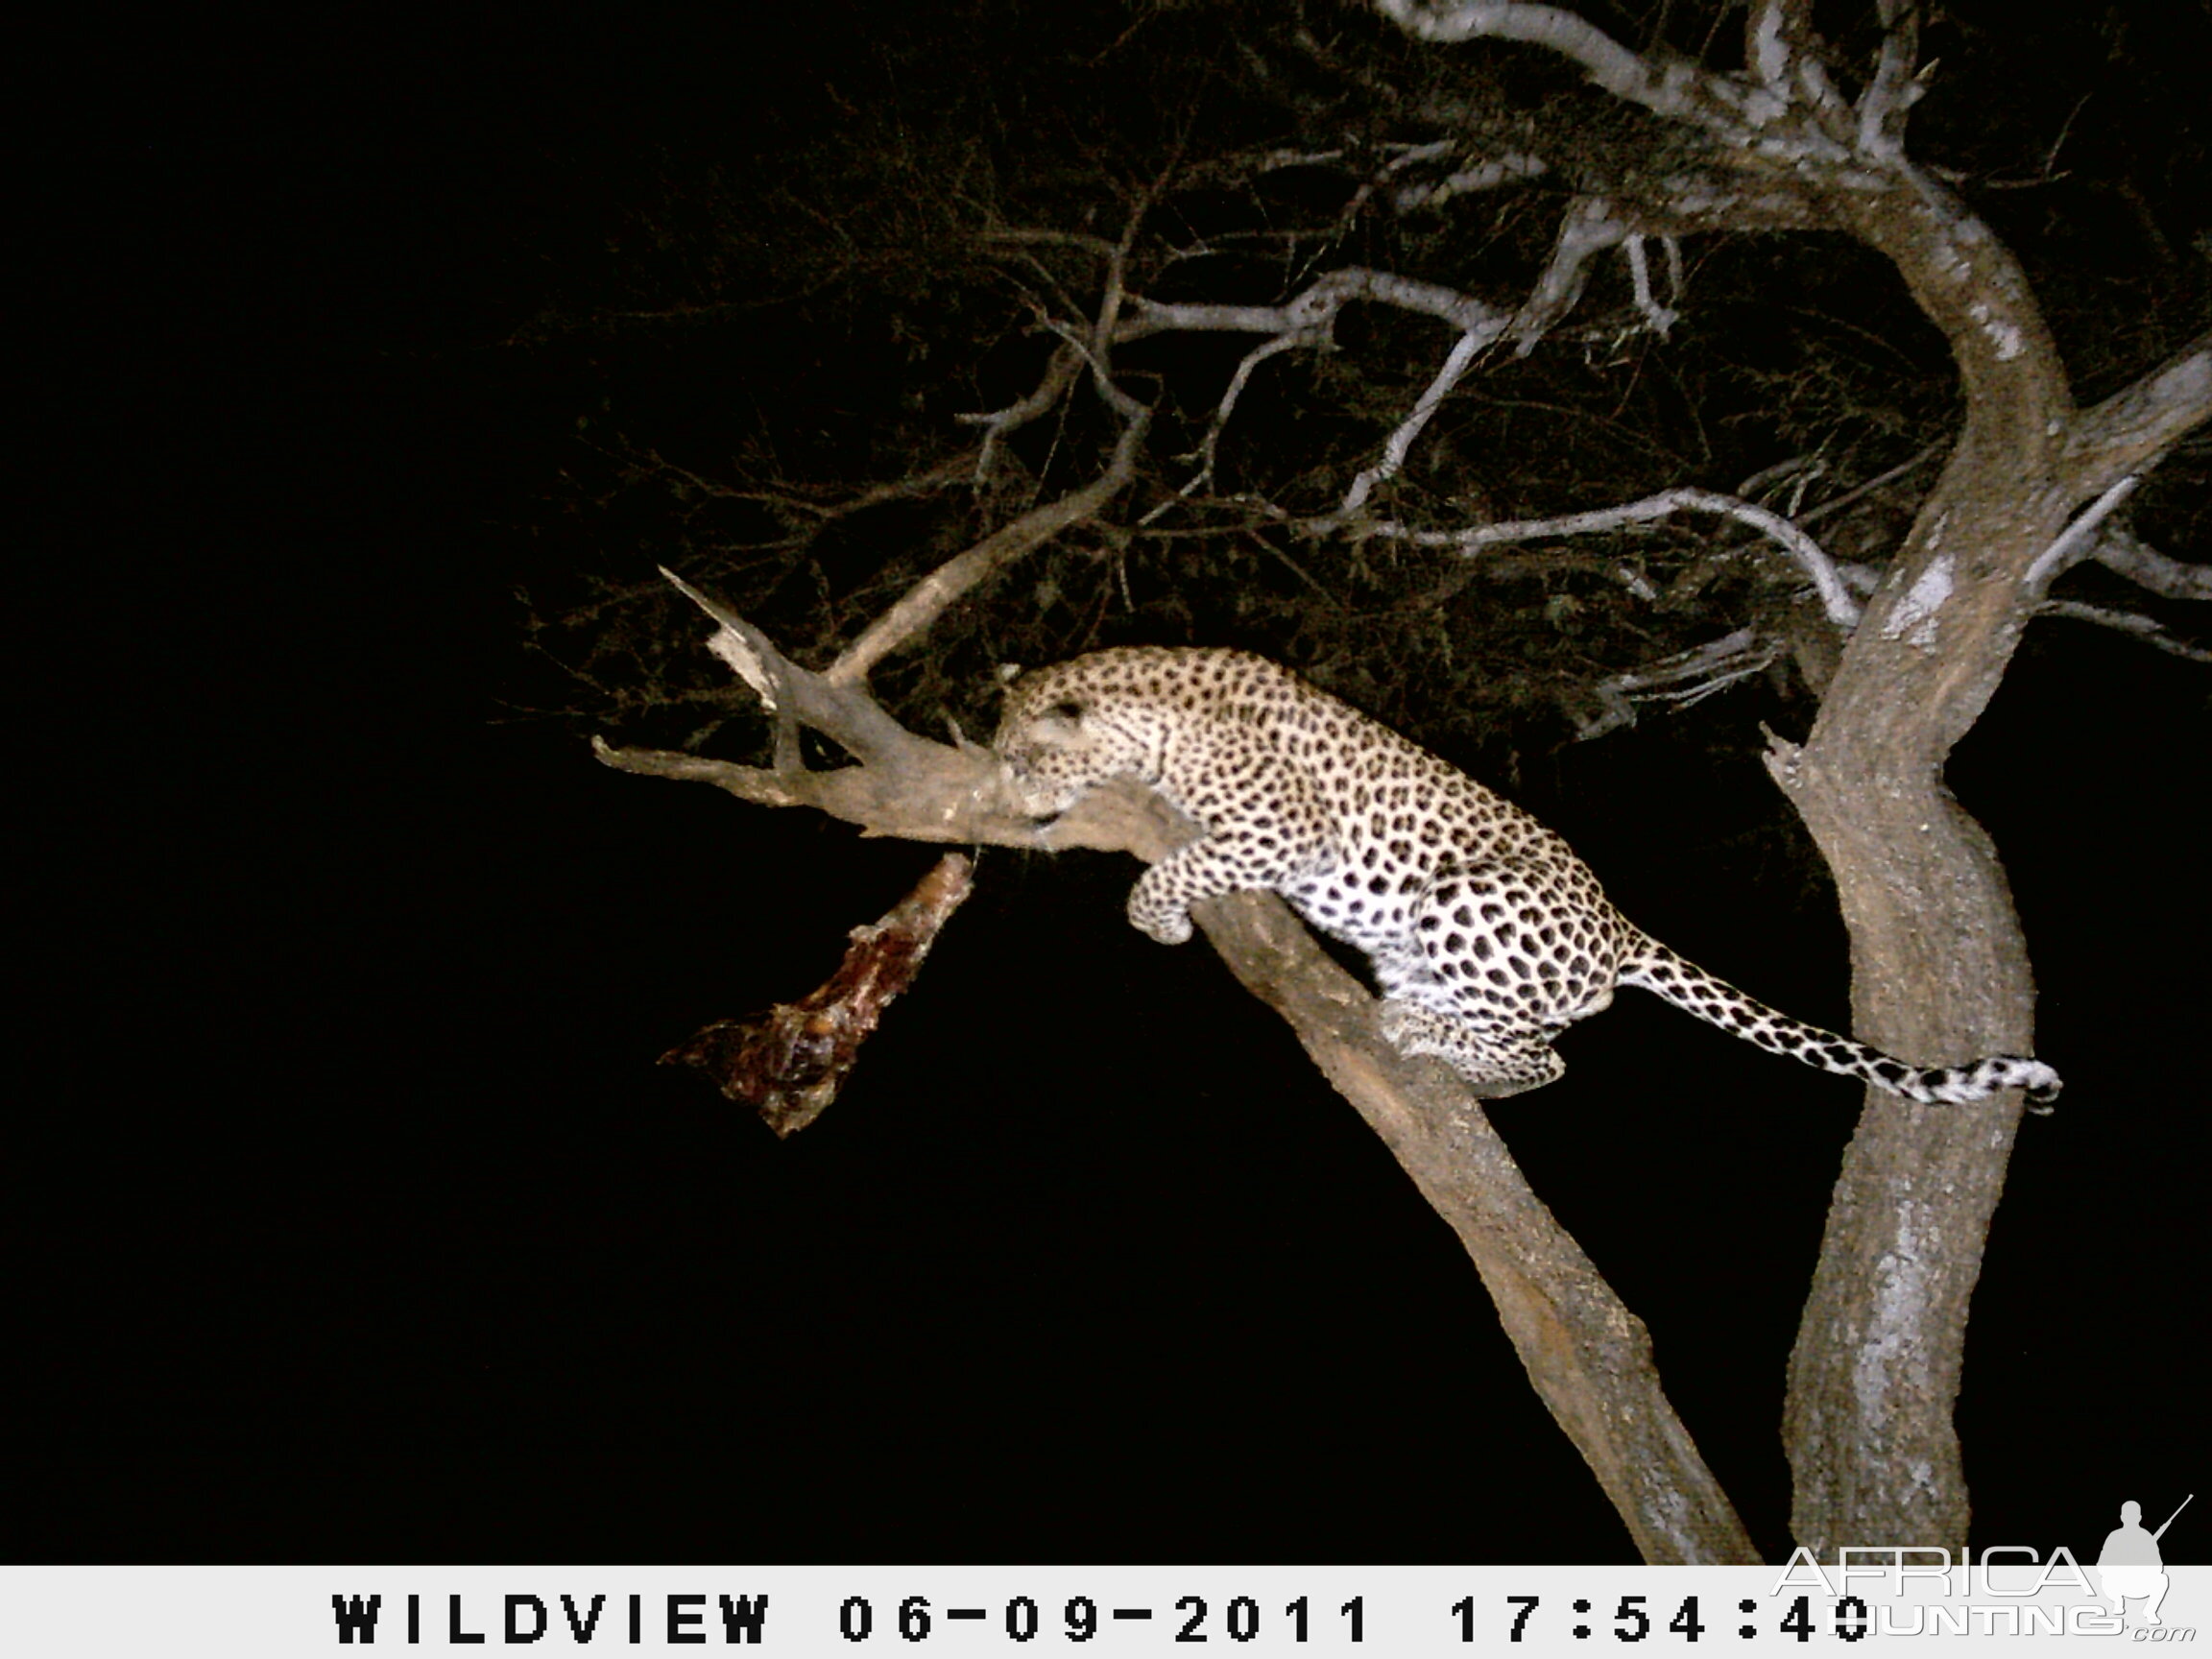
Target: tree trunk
1939,970
1940,965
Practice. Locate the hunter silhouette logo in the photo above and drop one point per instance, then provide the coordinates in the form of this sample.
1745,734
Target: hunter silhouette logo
2129,1565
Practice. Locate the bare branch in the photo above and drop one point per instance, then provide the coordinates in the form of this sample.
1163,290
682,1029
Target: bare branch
1894,88
903,785
1687,679
1018,237
1117,287
2143,628
2079,539
1407,156
1588,226
1209,443
1784,112
1835,594
1311,312
1609,63
2121,551
1689,675
1656,317
793,694
1511,168
1769,40
1307,320
959,575
1464,352
1059,374
740,645
1785,58
1859,491
1087,348
746,651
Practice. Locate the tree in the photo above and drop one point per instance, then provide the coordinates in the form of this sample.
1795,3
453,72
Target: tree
1321,204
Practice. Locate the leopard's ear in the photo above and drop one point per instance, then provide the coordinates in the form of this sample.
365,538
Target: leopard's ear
1008,673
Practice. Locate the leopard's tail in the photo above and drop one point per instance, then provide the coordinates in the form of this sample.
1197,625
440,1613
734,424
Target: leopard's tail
1658,969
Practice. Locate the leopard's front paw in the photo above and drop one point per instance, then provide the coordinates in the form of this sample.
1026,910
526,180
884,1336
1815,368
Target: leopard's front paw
1168,927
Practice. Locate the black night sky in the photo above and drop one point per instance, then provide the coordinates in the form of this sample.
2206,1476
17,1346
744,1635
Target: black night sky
356,1222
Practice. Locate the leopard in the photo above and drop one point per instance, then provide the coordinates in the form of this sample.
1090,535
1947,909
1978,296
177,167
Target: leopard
1485,933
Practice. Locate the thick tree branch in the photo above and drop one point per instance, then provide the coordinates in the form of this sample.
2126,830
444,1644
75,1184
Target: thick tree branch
2128,429
1785,113
911,789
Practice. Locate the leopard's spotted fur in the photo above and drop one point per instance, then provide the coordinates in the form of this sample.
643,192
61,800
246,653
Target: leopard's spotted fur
1487,934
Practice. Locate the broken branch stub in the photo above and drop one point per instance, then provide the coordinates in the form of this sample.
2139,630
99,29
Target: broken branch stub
790,1061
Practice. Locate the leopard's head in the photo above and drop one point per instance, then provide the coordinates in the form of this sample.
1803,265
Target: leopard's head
1071,728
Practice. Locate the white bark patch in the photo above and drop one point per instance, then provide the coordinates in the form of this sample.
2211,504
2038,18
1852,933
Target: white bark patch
1914,618
2005,336
1769,50
1669,1510
1894,1335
